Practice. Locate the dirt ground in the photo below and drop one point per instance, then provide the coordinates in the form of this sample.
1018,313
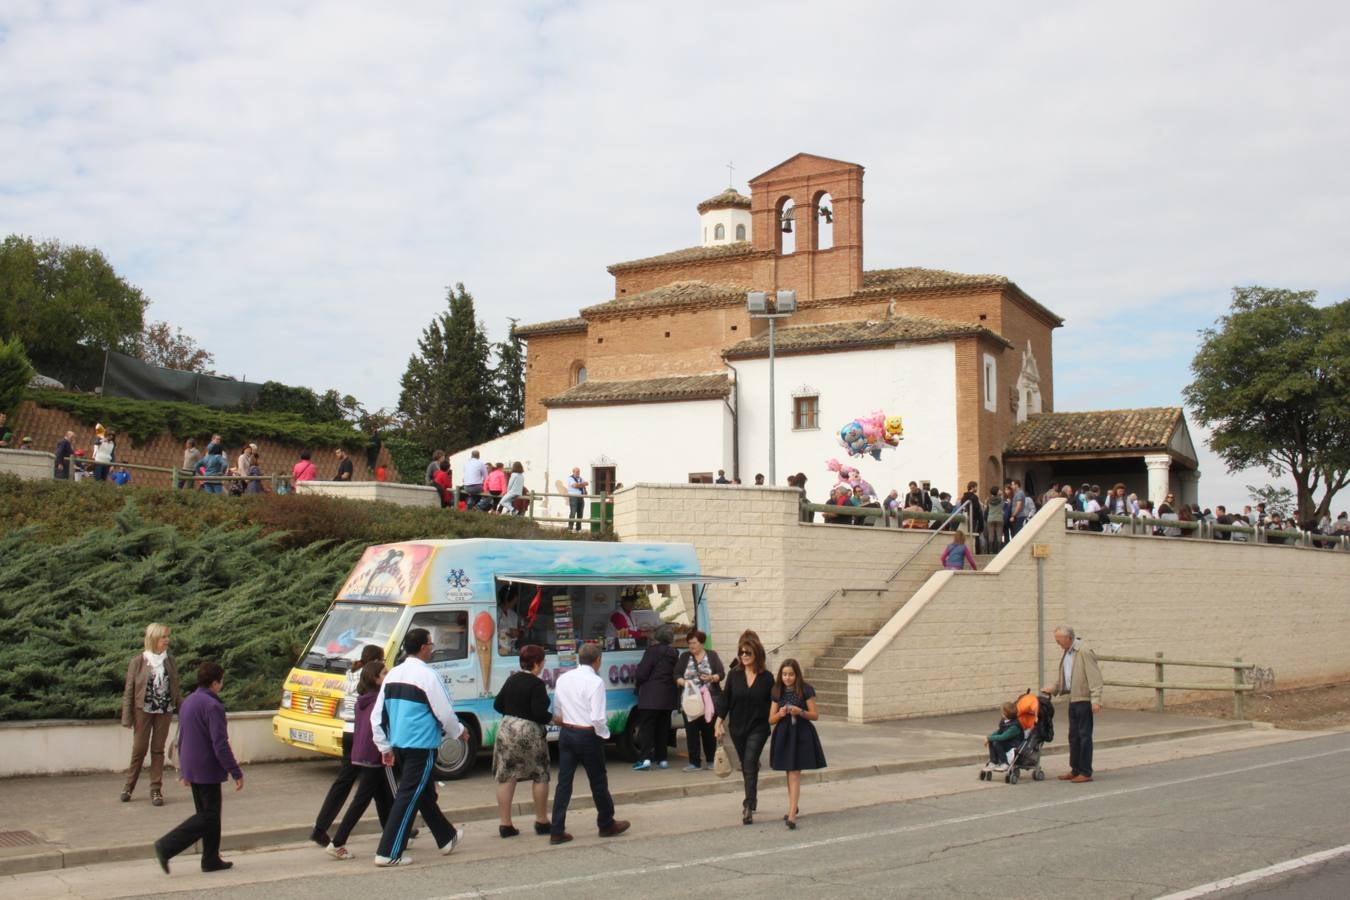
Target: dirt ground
1310,708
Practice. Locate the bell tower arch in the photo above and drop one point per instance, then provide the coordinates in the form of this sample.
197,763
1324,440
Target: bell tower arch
820,200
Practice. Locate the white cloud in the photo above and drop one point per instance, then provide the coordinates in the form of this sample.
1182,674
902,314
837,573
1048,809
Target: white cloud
295,184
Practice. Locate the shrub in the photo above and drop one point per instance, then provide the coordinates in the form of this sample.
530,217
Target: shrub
15,373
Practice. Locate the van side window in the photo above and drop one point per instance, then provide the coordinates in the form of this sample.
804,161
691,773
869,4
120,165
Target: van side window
449,633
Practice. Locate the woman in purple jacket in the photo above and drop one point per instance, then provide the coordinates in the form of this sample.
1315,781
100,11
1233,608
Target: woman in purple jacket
371,779
204,762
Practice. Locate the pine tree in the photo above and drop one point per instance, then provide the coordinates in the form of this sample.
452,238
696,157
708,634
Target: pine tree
446,398
508,382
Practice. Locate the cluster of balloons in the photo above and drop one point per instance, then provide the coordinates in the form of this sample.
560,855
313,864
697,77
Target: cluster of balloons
871,434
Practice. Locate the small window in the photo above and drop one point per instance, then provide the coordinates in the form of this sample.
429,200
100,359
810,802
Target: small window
581,375
740,232
719,232
449,633
990,383
805,413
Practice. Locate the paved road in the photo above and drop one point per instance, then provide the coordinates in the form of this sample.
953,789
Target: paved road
1147,831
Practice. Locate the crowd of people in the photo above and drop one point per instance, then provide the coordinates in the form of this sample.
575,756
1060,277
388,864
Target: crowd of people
484,487
401,716
998,516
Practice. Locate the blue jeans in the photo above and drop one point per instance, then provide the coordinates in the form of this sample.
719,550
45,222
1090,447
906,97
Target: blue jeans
587,749
1080,737
577,507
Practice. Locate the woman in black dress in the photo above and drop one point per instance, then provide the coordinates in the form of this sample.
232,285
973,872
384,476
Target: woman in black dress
520,751
796,745
748,696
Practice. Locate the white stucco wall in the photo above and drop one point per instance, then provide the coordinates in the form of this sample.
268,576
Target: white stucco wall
653,442
529,446
728,218
914,381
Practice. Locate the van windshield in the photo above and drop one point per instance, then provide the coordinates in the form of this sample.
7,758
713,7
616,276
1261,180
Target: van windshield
344,631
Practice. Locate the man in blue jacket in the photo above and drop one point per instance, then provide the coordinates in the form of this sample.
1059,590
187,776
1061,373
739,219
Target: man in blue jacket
204,762
411,716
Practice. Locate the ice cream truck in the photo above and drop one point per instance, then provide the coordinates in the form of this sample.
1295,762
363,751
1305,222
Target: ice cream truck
482,599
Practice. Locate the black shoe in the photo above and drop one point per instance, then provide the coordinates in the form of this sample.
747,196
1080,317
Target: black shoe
542,828
747,815
125,796
161,857
320,837
156,797
792,826
507,831
559,838
218,865
615,828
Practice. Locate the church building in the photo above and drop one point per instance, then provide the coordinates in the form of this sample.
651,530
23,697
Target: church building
668,380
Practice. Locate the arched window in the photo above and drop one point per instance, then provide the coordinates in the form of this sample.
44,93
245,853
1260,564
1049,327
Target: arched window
787,240
824,211
719,232
740,232
578,372
581,375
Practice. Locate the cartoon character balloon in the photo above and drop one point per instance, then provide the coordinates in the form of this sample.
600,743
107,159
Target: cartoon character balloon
869,435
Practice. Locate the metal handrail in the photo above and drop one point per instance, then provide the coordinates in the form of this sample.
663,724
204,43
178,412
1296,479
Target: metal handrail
955,514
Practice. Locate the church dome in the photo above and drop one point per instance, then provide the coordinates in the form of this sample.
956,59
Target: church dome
728,199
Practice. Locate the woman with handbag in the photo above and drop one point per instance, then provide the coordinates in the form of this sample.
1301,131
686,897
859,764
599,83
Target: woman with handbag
700,674
748,695
149,699
658,696
520,752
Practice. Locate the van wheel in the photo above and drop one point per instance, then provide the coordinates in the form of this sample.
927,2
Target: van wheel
456,757
625,742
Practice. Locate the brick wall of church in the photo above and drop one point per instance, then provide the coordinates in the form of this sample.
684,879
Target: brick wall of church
679,342
549,360
752,273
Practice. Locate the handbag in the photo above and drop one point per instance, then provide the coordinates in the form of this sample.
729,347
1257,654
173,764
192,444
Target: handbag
171,751
692,704
709,708
721,764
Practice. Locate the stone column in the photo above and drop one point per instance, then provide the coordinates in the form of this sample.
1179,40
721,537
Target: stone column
1159,465
1189,488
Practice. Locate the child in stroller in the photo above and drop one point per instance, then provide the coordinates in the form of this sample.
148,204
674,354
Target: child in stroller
1016,746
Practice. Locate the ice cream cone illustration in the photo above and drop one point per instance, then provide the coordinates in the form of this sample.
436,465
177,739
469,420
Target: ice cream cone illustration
483,628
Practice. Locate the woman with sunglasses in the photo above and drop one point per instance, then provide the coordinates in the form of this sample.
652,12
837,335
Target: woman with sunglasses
748,696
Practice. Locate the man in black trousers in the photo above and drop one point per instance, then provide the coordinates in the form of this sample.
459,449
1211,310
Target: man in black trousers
205,760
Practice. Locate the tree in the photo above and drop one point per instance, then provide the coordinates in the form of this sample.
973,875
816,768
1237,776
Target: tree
1271,381
508,382
55,298
1278,500
15,373
162,345
446,397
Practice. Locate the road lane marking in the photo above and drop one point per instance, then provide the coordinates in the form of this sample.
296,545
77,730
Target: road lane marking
884,832
1233,881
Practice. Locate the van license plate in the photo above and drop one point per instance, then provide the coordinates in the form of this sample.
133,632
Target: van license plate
304,737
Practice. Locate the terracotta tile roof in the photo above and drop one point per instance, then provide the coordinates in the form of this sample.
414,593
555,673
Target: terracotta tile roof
859,333
556,326
1101,430
690,254
895,281
652,390
677,293
728,199
915,279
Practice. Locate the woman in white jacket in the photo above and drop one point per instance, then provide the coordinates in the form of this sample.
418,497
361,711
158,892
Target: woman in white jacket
515,487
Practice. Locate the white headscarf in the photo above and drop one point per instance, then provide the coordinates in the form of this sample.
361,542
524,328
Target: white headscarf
156,663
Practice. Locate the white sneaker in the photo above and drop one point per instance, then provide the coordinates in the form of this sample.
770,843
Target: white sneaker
988,767
1001,767
454,841
384,861
338,852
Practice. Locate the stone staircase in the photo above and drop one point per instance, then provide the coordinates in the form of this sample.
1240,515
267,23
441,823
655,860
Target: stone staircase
828,677
826,674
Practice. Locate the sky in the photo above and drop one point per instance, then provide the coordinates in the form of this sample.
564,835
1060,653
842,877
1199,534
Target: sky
295,184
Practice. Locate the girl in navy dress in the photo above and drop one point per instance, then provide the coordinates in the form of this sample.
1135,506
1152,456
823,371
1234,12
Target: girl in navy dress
795,745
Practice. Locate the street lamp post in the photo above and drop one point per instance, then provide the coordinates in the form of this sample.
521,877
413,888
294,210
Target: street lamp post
785,304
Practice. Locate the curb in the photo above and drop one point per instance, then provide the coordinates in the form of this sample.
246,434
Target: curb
252,838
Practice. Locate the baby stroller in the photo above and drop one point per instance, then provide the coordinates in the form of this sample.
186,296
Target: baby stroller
1036,715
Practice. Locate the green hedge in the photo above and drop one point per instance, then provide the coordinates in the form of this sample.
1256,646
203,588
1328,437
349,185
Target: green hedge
242,580
146,419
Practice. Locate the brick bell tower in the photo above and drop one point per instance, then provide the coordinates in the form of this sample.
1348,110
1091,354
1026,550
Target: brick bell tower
808,211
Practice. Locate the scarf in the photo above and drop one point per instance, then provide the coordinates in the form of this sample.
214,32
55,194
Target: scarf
156,663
